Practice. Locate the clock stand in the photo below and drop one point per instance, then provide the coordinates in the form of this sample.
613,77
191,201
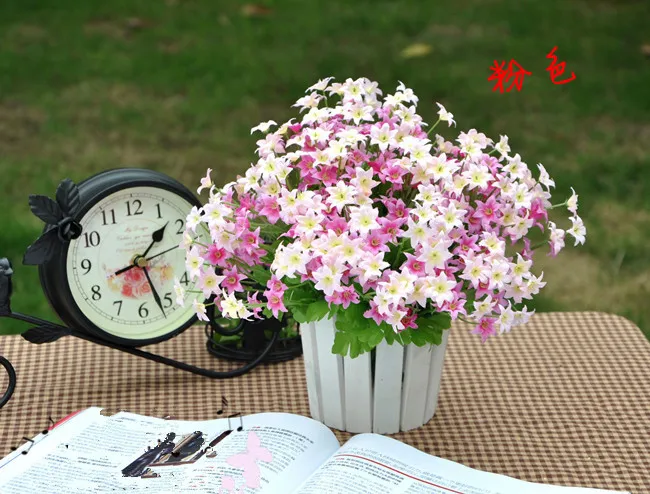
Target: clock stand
255,348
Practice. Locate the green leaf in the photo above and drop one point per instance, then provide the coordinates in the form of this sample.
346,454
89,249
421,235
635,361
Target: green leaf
351,319
341,343
355,348
376,338
317,310
404,337
293,179
430,328
299,314
260,274
389,333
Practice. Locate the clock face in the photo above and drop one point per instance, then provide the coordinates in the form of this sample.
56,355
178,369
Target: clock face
117,231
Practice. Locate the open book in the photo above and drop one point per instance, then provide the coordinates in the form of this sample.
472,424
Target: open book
264,453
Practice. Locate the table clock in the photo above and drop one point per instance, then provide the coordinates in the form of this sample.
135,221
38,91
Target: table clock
107,260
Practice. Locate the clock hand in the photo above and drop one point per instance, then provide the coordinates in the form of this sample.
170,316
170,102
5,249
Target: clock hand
156,297
156,237
124,270
161,253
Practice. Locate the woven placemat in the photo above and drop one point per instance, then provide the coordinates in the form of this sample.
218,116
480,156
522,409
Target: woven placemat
562,400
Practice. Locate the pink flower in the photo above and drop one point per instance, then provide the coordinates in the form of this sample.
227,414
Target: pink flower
377,242
414,265
274,303
487,210
216,255
485,328
276,286
232,281
270,209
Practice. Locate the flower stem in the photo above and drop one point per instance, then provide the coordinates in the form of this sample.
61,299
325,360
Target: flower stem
433,127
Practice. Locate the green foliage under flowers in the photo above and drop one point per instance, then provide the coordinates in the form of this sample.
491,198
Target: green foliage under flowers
356,334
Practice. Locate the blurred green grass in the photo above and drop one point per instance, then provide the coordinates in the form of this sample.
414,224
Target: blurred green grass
176,85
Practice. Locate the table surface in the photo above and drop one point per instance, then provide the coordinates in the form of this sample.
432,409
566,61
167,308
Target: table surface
562,400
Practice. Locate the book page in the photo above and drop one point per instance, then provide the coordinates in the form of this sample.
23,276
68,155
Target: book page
274,453
133,453
374,463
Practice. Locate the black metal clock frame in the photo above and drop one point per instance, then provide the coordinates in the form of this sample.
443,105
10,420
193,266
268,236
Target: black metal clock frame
49,252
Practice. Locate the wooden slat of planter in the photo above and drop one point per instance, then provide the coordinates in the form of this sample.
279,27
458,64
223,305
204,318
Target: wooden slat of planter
358,393
311,370
330,370
435,373
416,382
387,397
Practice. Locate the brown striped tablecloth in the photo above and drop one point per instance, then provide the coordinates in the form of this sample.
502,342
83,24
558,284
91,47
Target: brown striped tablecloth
562,400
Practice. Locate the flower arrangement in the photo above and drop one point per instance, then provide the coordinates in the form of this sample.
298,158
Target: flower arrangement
354,212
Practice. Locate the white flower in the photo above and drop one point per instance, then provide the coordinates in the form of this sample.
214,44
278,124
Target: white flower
359,112
522,196
382,136
502,146
209,283
506,319
572,202
521,269
493,243
180,292
309,101
290,259
535,284
372,266
408,93
515,167
199,308
475,271
499,274
264,126
233,308
445,116
441,289
451,215
328,279
321,85
477,176
544,177
577,230
193,219
363,219
206,182
395,319
340,195
216,213
522,316
483,307
364,181
434,257
556,238
309,223
419,233
392,290
194,262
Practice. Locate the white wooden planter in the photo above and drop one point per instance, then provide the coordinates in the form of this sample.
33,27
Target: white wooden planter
392,389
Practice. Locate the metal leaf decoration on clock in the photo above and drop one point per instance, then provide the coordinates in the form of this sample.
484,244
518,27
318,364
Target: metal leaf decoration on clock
59,216
45,334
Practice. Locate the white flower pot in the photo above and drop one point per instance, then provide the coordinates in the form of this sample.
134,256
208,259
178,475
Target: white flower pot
391,389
